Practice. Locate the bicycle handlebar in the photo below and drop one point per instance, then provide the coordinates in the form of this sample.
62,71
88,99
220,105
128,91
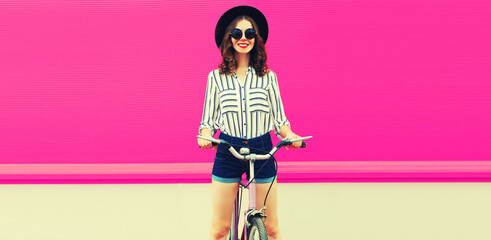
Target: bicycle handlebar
257,157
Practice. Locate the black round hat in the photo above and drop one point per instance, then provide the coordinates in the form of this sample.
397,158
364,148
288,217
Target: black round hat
234,12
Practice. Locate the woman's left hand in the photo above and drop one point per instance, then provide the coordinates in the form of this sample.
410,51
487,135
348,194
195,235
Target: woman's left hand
296,144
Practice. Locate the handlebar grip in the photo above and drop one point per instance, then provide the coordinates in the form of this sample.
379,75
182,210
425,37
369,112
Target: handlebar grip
212,144
304,145
215,142
209,139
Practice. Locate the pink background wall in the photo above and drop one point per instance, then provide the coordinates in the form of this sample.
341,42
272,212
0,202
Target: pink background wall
120,82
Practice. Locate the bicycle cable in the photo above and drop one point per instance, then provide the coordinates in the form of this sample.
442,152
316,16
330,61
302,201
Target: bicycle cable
261,168
274,178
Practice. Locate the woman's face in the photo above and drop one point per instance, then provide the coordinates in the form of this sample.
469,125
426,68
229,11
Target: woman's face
243,45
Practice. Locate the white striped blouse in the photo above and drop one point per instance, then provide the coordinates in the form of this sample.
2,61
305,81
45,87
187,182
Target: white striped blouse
244,110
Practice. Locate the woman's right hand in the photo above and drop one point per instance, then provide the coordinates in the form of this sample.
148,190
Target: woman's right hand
205,144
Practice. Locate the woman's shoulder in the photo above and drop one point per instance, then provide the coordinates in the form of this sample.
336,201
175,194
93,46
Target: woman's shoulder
215,73
270,74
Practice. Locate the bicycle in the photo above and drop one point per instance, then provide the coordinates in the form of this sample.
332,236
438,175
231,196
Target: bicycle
253,224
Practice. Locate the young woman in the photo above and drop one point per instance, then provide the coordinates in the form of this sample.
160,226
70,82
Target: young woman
243,102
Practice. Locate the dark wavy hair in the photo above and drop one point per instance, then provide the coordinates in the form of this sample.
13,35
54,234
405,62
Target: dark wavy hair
257,54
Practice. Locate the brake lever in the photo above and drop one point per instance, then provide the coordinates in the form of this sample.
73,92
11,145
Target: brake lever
288,142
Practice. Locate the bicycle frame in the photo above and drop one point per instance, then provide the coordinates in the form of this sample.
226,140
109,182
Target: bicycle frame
251,186
252,210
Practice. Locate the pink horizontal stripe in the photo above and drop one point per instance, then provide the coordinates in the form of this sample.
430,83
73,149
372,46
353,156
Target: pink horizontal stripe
387,166
289,172
141,168
285,167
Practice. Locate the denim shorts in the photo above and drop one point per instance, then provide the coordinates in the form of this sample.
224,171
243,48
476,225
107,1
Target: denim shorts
229,169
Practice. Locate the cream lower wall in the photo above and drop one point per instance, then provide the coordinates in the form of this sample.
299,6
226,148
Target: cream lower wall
378,211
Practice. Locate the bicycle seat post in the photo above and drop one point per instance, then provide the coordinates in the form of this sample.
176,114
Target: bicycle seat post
252,185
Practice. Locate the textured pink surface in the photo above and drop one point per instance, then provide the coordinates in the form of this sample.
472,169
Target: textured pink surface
90,82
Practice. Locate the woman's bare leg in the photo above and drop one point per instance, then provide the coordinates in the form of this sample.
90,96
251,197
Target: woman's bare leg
223,206
271,221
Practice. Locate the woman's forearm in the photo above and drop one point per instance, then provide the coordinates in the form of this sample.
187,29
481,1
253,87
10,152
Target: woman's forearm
285,130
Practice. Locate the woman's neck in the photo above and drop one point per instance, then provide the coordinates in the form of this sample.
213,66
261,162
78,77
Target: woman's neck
242,61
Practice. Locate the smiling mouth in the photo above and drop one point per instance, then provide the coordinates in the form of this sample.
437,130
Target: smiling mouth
243,45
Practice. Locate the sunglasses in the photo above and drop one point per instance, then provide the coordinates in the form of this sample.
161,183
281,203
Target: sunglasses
249,33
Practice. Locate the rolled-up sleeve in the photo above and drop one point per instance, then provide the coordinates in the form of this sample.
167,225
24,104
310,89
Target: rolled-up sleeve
276,105
211,106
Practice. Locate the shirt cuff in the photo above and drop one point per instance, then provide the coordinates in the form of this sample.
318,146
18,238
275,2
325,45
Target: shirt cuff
213,130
